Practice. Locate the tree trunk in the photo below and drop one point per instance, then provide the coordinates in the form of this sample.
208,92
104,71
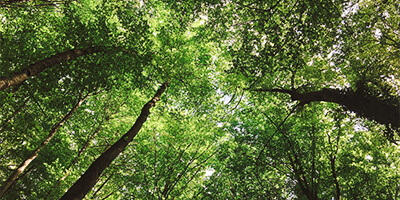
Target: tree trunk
13,177
366,106
85,183
38,67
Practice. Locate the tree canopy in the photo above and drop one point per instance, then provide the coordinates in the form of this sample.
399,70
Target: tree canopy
200,99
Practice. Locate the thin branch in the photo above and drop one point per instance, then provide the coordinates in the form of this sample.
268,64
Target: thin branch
276,131
101,186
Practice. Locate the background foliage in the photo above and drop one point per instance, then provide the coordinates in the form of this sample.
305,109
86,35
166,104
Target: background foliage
214,135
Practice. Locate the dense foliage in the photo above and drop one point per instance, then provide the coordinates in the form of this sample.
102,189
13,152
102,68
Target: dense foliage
279,99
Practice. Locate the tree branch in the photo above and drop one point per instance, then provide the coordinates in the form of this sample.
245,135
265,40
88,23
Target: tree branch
37,67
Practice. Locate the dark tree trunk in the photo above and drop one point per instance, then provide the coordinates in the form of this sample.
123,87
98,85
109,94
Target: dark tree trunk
19,77
85,183
13,177
366,106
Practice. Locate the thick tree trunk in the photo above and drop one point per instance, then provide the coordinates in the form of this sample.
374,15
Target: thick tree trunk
369,107
13,177
38,67
89,178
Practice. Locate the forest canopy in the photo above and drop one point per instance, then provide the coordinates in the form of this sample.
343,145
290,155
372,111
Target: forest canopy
200,99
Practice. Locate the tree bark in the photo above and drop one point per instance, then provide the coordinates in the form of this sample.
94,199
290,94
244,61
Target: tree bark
362,104
85,183
13,177
38,67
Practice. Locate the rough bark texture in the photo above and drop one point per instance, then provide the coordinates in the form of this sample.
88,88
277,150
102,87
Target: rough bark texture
85,183
38,67
369,107
13,177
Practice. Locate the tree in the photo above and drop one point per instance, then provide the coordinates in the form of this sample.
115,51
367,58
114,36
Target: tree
309,50
89,178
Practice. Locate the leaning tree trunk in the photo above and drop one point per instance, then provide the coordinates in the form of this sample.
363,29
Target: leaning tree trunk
13,177
19,77
85,183
366,106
